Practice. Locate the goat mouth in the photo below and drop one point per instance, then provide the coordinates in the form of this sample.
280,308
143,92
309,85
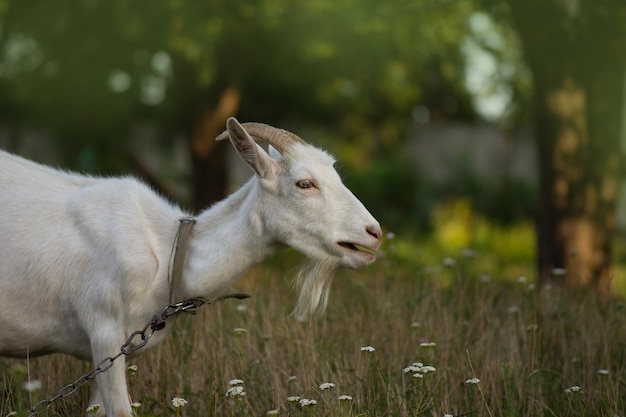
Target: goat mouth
357,248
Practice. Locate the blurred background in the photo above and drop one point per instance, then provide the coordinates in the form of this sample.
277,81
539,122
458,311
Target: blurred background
463,125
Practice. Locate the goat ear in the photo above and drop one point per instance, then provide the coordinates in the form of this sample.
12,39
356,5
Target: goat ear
249,151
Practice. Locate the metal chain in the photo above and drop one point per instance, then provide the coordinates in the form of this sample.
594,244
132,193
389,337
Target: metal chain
140,337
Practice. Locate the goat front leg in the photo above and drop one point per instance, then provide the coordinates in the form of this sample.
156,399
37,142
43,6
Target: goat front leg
96,400
110,385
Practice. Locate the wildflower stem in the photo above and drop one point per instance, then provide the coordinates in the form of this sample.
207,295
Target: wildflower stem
482,395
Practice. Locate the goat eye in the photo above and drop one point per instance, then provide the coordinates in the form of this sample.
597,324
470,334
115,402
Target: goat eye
304,184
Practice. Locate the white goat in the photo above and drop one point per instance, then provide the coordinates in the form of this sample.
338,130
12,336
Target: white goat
85,261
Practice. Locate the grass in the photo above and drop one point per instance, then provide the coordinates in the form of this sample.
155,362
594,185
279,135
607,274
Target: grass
454,323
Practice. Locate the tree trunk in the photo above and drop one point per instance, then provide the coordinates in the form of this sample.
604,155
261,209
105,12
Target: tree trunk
202,114
208,157
574,55
576,220
559,141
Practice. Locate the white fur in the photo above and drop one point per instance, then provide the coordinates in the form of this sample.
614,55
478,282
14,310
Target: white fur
84,261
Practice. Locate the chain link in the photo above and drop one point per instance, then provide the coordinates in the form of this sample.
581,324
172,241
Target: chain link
135,341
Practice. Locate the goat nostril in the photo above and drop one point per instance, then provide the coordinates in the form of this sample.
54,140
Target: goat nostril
374,231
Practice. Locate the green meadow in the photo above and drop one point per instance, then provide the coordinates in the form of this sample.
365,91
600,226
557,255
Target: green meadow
431,329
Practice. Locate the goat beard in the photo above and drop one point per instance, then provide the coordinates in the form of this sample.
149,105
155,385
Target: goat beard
313,281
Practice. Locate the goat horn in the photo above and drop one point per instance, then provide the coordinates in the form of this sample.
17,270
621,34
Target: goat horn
279,138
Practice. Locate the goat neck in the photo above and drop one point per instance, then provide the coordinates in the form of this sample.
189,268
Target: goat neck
227,240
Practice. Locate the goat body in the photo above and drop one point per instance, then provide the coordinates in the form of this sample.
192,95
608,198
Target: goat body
85,261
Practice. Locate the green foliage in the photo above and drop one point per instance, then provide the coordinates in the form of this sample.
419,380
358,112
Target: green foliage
391,191
86,72
399,198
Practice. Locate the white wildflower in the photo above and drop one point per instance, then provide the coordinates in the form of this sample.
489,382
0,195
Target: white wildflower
472,381
344,398
327,386
428,344
419,368
449,262
418,376
32,385
241,307
305,402
292,378
293,399
573,389
135,406
240,331
234,382
513,310
415,325
235,391
92,409
412,368
132,370
273,412
369,349
179,402
603,371
522,280
470,253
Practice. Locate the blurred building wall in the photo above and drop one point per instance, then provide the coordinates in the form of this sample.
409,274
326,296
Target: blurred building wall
443,151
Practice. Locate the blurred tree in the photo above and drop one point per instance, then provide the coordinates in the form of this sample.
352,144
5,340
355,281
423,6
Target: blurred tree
87,70
76,69
576,50
367,65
